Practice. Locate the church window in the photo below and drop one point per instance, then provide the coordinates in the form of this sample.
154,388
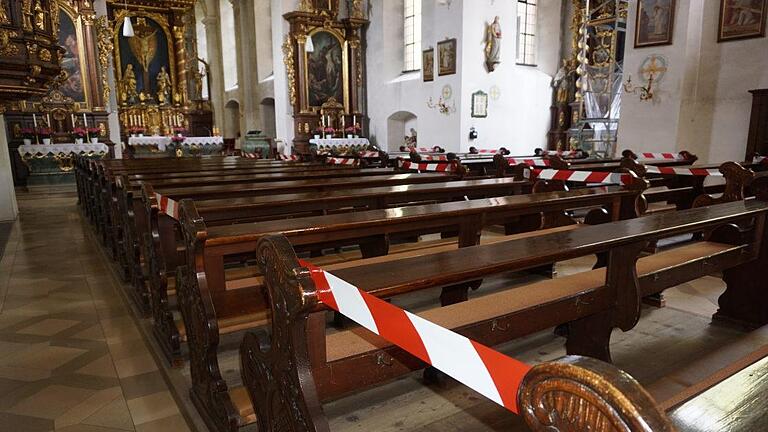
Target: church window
412,35
526,32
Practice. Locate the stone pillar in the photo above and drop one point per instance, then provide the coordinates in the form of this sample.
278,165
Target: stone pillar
110,106
8,207
247,62
216,92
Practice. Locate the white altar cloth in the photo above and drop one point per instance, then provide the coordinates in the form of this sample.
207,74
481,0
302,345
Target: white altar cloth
340,142
163,141
62,148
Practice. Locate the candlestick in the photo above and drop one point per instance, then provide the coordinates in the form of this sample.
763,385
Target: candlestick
49,119
85,120
354,121
73,121
34,120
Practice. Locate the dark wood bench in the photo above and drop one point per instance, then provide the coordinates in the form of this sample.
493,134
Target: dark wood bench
297,365
212,306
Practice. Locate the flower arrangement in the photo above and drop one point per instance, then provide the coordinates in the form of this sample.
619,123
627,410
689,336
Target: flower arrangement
350,130
78,133
329,131
178,139
179,131
44,133
28,133
94,132
136,130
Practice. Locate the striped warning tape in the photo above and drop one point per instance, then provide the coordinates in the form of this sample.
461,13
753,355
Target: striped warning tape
531,162
658,156
582,176
480,368
369,154
434,157
287,157
342,161
167,206
561,152
251,156
422,166
487,151
683,171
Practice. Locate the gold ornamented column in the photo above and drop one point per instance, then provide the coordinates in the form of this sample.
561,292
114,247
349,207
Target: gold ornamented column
179,94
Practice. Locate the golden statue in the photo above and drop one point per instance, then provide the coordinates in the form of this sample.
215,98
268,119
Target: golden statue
144,46
163,86
4,13
27,12
39,16
129,84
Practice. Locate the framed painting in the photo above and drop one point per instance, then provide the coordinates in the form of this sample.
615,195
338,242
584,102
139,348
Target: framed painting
741,19
479,104
446,55
428,65
654,23
325,69
147,53
74,84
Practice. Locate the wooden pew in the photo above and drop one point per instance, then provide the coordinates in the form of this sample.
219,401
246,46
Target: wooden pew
210,307
165,245
295,367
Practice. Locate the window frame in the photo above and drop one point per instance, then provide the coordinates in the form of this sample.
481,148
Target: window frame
414,44
522,27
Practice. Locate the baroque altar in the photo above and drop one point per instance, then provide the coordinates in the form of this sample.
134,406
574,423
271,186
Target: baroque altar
324,56
158,78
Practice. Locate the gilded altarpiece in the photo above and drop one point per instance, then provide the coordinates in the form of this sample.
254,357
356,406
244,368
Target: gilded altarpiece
155,70
325,82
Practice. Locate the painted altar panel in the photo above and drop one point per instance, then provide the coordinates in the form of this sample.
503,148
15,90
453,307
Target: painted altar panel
326,69
72,62
147,53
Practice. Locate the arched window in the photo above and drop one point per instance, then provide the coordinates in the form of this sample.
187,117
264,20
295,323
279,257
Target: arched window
526,32
228,44
412,35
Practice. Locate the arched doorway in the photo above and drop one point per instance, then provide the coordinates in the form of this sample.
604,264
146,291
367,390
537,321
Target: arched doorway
268,117
399,126
232,121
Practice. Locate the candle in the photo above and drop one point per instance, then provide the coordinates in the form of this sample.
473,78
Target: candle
73,121
85,121
49,119
354,120
34,119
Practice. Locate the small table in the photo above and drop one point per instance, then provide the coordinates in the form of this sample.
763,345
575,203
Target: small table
53,163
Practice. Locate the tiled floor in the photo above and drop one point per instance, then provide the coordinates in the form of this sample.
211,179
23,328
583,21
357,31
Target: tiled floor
71,357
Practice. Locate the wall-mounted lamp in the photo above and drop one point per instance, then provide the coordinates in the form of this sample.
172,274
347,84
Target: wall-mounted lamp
127,26
645,92
309,46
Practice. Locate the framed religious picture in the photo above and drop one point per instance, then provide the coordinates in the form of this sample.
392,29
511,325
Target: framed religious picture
428,65
74,79
654,22
446,57
479,104
741,19
326,73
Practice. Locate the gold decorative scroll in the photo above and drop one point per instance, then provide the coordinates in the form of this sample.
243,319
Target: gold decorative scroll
105,44
288,58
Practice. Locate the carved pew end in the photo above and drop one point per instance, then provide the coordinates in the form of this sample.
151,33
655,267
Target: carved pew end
584,394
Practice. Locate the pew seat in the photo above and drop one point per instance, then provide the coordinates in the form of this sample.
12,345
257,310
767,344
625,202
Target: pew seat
358,341
242,306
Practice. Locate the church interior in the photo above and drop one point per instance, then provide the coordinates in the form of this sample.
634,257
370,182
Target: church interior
205,205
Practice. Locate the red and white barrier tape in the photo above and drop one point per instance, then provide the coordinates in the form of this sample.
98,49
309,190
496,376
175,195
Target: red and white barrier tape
342,161
422,166
657,156
683,171
434,157
251,156
287,158
369,154
561,152
490,373
531,162
582,176
167,206
487,151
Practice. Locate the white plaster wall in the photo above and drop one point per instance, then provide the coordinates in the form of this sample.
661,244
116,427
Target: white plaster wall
703,103
283,110
8,207
390,91
519,120
228,44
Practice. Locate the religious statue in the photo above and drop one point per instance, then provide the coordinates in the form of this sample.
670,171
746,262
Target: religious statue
493,45
356,9
561,83
28,14
129,93
4,13
39,16
144,47
163,87
198,78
